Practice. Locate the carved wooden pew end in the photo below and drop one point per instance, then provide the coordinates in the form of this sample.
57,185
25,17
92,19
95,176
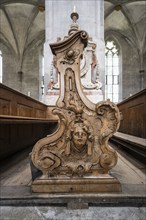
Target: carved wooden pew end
77,157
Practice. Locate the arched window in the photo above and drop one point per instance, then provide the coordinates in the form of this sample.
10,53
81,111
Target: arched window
1,68
111,71
42,76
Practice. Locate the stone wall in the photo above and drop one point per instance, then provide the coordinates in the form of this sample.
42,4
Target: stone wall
29,82
10,67
144,74
131,82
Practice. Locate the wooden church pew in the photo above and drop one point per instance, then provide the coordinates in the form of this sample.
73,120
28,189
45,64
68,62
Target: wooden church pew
23,121
131,135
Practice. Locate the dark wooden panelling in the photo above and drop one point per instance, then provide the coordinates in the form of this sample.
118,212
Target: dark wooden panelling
23,121
5,106
24,110
40,113
15,103
15,137
133,110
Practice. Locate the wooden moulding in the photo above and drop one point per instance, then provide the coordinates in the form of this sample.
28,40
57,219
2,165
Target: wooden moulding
101,184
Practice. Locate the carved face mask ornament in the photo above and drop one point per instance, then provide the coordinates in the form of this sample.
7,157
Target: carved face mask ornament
79,138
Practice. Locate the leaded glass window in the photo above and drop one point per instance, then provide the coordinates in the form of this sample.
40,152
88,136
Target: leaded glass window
111,71
42,77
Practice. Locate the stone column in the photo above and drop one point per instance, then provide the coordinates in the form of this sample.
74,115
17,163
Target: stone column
91,19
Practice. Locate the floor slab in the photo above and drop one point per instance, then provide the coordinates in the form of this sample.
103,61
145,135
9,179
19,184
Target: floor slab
61,213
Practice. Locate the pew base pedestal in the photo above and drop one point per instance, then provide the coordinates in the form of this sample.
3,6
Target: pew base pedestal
102,184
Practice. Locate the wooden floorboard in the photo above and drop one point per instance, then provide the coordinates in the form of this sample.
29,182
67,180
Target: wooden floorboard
16,182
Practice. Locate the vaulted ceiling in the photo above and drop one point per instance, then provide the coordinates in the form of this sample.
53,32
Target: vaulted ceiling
22,22
127,18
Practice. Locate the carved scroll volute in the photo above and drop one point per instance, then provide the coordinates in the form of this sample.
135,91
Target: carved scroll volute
68,54
110,122
44,155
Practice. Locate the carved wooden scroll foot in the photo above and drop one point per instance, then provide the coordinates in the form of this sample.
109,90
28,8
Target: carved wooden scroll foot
77,157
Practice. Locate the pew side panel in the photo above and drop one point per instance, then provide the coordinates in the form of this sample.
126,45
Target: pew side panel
133,112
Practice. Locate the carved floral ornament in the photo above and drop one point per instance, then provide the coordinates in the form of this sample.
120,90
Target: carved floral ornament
79,147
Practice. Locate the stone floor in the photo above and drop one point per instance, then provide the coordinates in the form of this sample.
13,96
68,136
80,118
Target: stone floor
18,203
62,213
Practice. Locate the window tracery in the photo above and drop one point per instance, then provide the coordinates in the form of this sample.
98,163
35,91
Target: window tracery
111,71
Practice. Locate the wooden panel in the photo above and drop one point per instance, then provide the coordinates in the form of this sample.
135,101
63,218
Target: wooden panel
133,110
4,135
15,103
5,107
40,113
16,137
24,110
136,119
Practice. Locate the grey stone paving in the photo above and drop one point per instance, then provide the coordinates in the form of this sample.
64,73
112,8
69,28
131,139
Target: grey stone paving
62,213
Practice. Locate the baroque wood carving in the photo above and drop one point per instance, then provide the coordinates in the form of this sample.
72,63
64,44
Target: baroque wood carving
79,149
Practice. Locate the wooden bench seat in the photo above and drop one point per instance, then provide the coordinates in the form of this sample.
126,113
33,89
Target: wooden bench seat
19,119
131,139
134,145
